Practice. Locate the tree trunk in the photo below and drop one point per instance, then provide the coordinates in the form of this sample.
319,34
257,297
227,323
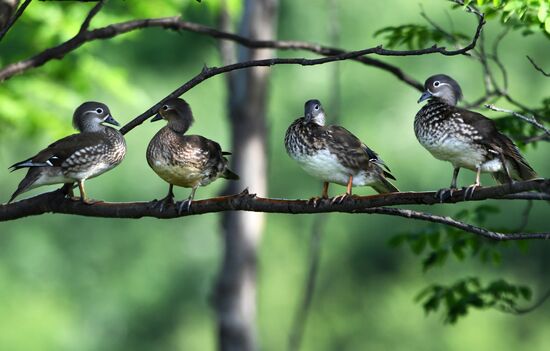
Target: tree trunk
235,292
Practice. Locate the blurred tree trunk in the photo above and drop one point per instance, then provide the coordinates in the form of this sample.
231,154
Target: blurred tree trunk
235,295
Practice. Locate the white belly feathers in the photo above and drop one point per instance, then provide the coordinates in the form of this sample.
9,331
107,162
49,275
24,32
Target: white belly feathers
463,154
325,166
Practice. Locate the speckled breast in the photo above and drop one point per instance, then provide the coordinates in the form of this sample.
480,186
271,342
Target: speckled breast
445,135
174,164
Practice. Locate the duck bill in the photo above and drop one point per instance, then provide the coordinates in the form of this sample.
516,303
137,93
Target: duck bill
425,96
111,120
157,117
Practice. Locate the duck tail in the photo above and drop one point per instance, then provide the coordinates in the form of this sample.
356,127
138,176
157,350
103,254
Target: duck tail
229,174
27,183
384,186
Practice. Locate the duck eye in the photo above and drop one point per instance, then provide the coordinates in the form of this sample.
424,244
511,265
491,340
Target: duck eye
436,83
316,107
99,110
165,107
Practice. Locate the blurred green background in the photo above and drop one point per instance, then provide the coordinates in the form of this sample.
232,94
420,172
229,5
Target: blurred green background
76,283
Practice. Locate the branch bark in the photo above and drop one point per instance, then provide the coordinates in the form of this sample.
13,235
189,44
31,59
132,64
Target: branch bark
56,202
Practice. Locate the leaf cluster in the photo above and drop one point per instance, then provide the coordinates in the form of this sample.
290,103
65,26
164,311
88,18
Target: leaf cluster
457,299
437,243
530,16
417,36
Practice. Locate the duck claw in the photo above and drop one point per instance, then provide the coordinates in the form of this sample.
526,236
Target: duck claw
444,194
316,201
340,199
162,204
184,204
89,201
469,191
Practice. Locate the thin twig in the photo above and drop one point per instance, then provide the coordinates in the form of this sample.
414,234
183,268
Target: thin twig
536,138
86,24
525,216
518,311
529,119
496,57
449,221
538,68
175,23
211,72
14,18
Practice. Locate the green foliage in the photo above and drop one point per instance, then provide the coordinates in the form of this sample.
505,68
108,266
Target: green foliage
457,299
528,15
75,283
520,130
416,36
43,99
436,243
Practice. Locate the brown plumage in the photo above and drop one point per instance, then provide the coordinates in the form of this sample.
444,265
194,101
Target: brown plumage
75,158
188,161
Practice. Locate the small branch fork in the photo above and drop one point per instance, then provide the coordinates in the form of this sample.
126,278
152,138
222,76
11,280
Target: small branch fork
56,202
378,50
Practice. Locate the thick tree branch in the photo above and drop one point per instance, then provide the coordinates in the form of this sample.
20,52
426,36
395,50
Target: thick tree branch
55,202
14,18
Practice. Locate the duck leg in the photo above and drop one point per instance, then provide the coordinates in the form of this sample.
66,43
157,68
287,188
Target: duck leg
324,195
443,194
67,189
167,200
83,196
469,192
187,203
340,198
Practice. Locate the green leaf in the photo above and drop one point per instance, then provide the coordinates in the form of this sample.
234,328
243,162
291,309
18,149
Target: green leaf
458,251
547,25
525,292
433,240
543,11
397,240
419,244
